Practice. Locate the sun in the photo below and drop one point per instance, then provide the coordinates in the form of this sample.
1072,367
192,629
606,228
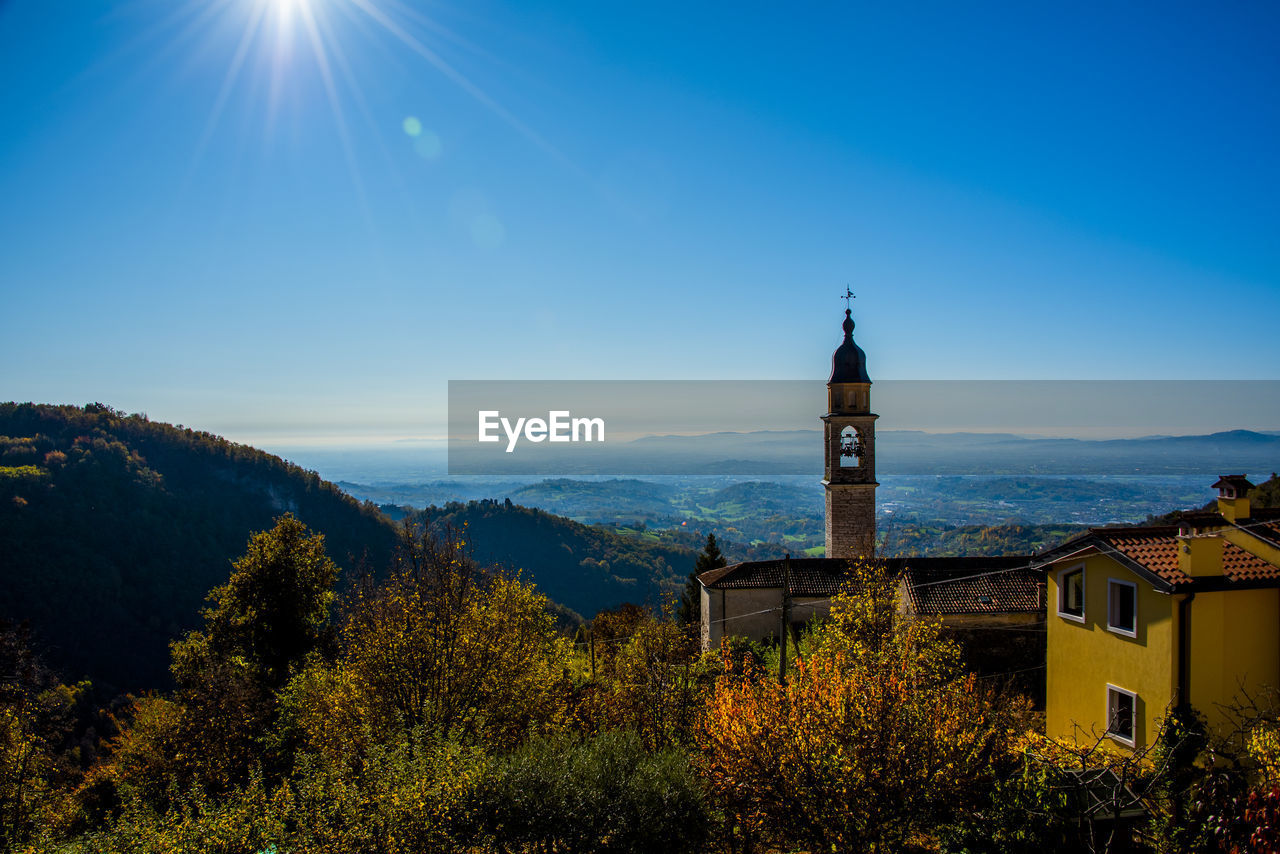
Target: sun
290,14
289,44
288,7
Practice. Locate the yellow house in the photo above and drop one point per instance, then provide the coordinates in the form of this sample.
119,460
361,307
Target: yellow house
1142,619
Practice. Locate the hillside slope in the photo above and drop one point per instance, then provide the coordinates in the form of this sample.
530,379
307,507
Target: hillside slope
583,567
114,527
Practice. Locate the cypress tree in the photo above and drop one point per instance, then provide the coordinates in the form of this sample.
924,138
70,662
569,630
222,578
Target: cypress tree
689,611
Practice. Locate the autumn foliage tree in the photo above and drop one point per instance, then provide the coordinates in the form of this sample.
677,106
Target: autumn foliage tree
611,629
452,648
875,737
652,687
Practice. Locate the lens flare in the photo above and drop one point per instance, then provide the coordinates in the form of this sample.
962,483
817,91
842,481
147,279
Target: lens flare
285,50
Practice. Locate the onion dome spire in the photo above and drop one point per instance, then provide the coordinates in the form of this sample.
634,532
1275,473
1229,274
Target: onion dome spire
849,364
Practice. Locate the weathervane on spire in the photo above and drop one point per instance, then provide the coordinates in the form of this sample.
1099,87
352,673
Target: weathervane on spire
848,295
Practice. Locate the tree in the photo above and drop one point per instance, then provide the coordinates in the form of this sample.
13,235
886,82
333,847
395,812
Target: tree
654,690
271,613
689,612
611,629
454,649
259,629
37,716
1219,790
877,736
1267,493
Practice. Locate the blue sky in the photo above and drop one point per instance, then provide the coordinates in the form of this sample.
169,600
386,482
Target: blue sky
643,191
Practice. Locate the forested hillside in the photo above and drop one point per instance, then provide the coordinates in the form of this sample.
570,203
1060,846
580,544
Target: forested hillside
113,528
951,541
583,567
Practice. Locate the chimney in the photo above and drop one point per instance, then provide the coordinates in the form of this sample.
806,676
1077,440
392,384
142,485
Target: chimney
1199,552
1233,497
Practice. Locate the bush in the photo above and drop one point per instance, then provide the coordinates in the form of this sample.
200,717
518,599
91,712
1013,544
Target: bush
402,799
877,737
604,794
1029,811
250,820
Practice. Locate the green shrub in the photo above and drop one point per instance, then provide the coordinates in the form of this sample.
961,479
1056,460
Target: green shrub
604,794
248,821
400,799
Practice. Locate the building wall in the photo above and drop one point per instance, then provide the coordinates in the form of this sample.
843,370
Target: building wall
739,613
806,608
741,607
850,520
1082,658
1235,648
711,630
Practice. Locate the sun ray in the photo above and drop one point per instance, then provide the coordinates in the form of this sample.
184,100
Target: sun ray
459,79
362,104
273,41
172,34
435,26
148,36
233,73
280,56
335,104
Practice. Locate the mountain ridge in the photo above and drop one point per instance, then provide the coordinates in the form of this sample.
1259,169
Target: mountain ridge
113,528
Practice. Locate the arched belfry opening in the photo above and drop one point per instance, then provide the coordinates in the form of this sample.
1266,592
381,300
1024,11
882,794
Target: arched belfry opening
850,448
849,477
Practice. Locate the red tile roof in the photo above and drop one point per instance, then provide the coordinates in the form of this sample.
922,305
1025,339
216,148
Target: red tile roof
811,576
1240,565
993,589
1156,550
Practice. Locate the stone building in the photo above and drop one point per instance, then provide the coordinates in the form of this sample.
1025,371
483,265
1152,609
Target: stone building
750,599
746,599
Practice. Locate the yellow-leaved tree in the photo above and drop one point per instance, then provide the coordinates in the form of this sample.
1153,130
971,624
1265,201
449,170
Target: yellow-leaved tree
455,650
878,735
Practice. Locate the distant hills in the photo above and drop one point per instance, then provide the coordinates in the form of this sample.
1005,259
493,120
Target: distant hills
787,511
623,498
906,452
962,540
898,452
113,528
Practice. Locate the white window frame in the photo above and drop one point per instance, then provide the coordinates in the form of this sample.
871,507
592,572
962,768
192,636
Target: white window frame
1133,723
1120,630
1063,573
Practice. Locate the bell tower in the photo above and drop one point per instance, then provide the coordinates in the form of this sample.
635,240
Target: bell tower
849,441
